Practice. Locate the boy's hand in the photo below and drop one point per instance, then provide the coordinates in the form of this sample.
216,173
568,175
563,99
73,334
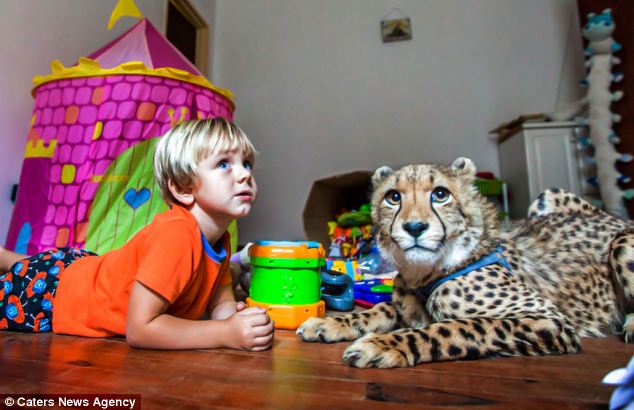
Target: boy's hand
249,329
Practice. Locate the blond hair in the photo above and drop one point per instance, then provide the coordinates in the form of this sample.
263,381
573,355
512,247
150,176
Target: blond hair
181,149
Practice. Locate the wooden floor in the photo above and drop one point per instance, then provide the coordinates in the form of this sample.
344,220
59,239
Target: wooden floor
301,375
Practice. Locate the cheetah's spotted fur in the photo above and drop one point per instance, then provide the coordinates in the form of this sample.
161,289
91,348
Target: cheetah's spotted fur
572,274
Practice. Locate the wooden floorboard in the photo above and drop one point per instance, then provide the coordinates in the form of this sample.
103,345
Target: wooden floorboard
300,375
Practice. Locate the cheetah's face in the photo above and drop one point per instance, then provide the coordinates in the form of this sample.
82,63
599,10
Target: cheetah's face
424,213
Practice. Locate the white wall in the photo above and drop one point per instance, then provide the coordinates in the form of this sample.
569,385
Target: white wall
32,34
319,93
317,89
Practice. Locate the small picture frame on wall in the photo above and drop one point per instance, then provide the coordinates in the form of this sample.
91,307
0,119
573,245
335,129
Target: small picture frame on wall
396,30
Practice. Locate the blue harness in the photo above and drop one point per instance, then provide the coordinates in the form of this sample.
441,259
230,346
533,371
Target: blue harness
496,256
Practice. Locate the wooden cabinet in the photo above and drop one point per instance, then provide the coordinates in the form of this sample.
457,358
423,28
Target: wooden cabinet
543,155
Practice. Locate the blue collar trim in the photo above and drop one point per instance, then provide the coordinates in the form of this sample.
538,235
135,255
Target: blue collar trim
218,256
497,256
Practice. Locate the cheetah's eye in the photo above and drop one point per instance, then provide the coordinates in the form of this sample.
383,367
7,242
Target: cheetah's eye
393,197
440,195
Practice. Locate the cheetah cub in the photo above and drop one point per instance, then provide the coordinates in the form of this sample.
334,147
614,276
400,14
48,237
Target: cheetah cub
470,288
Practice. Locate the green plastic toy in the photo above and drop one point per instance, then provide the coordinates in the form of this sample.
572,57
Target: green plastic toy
286,280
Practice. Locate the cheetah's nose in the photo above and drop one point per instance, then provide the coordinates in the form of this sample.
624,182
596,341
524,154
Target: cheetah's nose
415,228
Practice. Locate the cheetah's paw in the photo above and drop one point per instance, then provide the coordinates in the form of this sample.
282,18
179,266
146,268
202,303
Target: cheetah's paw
628,329
325,330
374,350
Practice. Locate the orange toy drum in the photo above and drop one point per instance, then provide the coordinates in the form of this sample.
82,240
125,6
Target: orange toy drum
286,280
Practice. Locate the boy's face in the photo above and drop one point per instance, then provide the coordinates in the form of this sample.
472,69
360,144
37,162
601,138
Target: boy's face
225,186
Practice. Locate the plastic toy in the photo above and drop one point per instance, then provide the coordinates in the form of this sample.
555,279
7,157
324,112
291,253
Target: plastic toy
286,280
349,231
335,249
371,292
596,108
355,218
347,266
337,290
241,268
372,263
623,395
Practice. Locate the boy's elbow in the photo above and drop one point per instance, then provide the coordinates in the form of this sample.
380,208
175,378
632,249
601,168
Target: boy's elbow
133,335
132,341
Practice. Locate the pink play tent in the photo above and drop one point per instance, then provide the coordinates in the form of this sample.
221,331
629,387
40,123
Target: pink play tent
87,176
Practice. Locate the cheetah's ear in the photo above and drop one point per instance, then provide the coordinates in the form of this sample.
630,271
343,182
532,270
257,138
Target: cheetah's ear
380,174
463,166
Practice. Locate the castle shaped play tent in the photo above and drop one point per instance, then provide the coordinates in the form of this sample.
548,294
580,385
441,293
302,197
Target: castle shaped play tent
87,177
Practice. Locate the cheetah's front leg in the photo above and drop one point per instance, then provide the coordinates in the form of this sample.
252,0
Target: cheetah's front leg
381,318
463,339
620,260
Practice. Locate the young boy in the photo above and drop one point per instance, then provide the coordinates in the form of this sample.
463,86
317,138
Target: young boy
155,287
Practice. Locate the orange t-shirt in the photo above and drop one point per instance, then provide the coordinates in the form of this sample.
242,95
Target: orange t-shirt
169,256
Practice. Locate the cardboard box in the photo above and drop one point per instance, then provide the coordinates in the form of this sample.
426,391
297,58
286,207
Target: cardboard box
328,196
